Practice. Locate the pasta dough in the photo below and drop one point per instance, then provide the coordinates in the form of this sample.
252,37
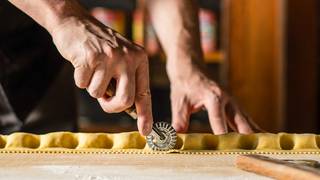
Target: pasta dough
121,142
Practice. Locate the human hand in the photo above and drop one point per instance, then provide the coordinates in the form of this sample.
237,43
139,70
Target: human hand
100,54
192,90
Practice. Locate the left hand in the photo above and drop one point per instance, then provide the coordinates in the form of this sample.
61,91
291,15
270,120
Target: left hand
191,91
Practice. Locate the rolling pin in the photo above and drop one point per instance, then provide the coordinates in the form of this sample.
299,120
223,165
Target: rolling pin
111,91
278,169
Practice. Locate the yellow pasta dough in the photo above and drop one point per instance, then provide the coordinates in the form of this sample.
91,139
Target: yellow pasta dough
134,142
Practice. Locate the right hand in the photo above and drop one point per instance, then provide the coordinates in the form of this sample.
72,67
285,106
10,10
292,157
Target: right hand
99,54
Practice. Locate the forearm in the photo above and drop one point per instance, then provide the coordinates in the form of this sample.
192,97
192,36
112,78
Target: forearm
50,13
176,24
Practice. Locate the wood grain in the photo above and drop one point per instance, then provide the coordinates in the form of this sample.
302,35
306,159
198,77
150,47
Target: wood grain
119,166
126,166
255,70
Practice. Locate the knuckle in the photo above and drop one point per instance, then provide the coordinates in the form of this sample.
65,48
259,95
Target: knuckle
93,58
116,108
141,54
106,109
214,98
144,95
218,92
126,101
81,84
95,93
80,81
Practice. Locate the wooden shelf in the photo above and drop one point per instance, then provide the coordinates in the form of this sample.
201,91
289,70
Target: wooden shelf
214,57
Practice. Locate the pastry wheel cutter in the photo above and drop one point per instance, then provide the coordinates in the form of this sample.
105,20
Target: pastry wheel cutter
163,136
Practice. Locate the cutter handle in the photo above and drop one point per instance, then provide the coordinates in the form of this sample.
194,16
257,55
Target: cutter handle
111,91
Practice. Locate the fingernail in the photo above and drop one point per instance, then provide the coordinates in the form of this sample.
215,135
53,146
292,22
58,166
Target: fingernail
146,130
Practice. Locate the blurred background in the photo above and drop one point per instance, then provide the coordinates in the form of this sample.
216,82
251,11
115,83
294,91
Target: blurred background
263,52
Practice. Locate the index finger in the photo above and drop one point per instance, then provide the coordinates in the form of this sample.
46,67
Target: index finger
143,98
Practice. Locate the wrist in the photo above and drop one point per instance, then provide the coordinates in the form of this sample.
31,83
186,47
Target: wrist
184,67
61,12
182,73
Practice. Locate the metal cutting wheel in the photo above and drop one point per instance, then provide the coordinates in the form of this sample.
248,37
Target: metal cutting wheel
163,137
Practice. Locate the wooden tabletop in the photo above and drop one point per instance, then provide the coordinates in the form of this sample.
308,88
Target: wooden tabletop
124,166
118,166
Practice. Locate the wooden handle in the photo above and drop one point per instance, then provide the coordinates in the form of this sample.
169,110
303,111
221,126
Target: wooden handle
111,91
275,168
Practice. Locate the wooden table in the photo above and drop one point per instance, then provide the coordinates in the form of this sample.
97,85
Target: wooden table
125,166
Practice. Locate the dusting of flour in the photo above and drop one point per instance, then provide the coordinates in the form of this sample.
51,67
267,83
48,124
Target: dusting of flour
74,172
